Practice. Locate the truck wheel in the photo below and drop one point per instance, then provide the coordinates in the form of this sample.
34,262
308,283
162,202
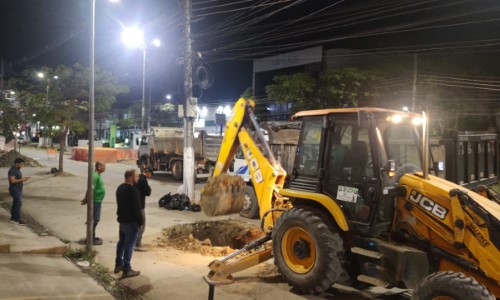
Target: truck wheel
250,205
450,285
177,170
144,161
306,251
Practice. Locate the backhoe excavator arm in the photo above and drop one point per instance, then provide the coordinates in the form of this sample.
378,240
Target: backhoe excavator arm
268,178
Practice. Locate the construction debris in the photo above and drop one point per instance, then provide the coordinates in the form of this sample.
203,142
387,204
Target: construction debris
7,160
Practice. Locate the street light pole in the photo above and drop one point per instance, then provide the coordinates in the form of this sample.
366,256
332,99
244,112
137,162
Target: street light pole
143,112
90,175
134,37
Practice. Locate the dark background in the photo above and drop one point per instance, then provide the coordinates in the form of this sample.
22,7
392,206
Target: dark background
457,37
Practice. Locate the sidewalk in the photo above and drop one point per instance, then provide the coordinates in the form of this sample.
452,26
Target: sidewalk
32,267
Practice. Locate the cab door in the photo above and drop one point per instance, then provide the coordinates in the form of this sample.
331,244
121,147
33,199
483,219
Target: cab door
350,174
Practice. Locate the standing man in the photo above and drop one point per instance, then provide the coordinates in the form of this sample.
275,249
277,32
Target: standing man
128,200
99,193
16,180
144,190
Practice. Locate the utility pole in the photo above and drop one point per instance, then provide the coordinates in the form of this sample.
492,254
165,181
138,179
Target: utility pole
415,75
188,158
90,173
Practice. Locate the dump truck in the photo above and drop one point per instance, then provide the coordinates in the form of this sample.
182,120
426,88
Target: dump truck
163,150
361,207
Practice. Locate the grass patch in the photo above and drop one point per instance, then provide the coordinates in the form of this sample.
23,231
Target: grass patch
81,254
101,274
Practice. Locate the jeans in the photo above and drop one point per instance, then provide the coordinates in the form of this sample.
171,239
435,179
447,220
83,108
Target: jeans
97,214
15,210
125,247
141,232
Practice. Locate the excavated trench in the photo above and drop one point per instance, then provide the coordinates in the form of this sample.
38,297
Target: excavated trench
210,237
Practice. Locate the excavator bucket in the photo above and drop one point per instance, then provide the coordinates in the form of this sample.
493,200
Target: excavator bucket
223,194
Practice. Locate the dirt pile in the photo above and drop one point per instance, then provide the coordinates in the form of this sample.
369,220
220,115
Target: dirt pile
7,160
211,238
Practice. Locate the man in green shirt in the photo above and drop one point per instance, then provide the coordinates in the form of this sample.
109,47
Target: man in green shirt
99,194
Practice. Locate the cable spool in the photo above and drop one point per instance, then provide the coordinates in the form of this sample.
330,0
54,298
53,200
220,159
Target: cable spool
204,76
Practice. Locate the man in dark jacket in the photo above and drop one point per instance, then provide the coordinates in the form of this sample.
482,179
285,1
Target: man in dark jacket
145,190
16,180
129,214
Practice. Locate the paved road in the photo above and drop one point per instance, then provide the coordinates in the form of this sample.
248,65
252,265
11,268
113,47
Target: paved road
54,202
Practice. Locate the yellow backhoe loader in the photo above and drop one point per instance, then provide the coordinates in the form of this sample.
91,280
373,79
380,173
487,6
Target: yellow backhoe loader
360,207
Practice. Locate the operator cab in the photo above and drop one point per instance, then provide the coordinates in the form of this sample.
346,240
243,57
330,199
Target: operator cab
356,156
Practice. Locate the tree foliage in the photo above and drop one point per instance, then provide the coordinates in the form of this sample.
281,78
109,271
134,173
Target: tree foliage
59,100
345,87
247,93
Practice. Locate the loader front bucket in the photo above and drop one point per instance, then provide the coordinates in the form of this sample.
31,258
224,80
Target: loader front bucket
223,194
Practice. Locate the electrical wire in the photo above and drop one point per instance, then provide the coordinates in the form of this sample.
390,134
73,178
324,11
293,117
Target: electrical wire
390,30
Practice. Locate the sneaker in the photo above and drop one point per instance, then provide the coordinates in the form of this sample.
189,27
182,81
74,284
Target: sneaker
130,273
97,241
118,269
140,249
14,222
21,223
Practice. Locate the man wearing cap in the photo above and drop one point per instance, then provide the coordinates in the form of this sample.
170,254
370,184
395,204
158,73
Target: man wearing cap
144,190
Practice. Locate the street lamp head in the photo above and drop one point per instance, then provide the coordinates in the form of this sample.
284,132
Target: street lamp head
56,77
156,43
169,97
114,1
133,37
40,75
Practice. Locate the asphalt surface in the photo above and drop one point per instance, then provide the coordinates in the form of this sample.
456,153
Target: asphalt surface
54,202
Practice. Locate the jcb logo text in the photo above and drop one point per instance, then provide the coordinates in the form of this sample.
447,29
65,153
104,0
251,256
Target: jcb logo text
428,205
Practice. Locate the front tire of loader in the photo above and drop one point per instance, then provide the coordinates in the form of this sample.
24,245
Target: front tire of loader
450,285
306,251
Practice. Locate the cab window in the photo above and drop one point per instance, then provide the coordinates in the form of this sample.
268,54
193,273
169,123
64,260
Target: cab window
309,147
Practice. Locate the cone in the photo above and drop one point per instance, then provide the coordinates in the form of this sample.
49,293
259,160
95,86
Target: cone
223,194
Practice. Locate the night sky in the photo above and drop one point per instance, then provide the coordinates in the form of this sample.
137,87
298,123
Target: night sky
230,34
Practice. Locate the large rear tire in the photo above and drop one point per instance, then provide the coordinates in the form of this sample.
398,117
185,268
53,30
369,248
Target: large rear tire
250,205
306,251
451,286
177,170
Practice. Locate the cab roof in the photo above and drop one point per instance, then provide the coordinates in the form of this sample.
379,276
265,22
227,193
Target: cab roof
328,111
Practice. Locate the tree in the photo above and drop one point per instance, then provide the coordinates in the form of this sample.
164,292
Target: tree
299,87
17,103
59,100
247,93
345,87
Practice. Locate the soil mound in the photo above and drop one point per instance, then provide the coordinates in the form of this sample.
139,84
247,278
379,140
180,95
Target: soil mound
7,160
211,238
